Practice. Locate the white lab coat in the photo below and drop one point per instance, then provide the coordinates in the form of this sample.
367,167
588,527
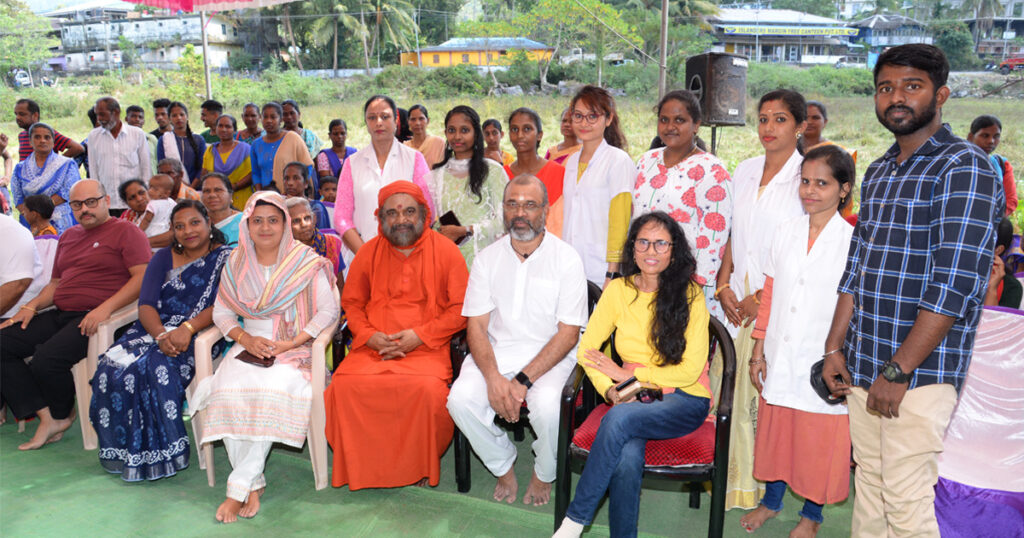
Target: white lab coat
754,220
804,295
585,224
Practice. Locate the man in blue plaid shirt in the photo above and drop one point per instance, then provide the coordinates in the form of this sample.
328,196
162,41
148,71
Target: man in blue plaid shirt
911,296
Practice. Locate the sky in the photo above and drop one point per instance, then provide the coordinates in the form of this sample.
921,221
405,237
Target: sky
42,6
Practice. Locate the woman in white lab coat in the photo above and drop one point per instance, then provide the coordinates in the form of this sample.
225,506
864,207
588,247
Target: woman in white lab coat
802,440
597,187
764,195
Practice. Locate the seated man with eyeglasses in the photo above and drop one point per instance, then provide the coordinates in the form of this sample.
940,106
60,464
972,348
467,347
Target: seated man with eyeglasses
526,302
98,269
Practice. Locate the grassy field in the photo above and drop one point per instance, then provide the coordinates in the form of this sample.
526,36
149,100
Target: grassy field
852,124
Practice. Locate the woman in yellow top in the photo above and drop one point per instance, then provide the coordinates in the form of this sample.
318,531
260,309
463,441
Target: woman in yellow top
661,332
231,158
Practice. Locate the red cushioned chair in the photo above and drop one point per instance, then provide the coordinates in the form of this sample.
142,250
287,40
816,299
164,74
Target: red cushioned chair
459,351
696,458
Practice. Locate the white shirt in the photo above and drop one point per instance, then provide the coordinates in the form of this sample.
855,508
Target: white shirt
804,295
755,219
161,210
113,161
526,299
368,179
19,260
609,173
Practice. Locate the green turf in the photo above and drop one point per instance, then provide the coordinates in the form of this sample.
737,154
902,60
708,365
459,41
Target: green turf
61,490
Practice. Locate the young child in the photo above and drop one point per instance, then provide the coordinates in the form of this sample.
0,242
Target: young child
38,211
492,143
1003,287
985,133
297,183
157,219
802,440
328,193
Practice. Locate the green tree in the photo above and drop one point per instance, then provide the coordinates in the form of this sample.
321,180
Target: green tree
24,37
129,52
955,40
983,12
568,23
191,64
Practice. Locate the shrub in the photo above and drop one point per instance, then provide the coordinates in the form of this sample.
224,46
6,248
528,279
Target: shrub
821,80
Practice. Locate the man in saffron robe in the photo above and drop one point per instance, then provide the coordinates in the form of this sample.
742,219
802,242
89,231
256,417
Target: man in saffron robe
386,415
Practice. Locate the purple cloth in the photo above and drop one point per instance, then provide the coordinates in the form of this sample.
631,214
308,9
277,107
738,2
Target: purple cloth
963,511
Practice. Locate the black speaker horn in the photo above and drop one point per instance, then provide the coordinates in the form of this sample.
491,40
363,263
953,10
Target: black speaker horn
719,80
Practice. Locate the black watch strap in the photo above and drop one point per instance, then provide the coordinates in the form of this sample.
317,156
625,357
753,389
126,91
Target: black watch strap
524,380
892,372
612,276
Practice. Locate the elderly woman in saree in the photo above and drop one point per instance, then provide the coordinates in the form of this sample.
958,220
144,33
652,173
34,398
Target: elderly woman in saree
276,295
45,172
140,382
304,231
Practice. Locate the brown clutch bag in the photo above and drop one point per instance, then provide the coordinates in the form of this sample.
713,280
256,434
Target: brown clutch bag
245,356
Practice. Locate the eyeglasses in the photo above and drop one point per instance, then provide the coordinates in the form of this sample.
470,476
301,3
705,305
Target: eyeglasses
660,246
591,118
513,206
89,202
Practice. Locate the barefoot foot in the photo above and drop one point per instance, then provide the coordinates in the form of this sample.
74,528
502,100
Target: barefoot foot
538,493
228,510
753,521
507,487
49,430
805,529
252,504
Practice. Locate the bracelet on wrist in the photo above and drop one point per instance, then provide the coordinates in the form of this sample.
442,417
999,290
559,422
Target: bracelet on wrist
188,326
836,350
720,288
27,307
755,361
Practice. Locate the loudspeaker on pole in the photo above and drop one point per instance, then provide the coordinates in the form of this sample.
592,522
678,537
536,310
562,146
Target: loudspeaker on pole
719,80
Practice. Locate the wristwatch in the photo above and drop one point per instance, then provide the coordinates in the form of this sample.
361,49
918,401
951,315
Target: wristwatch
612,275
524,380
892,372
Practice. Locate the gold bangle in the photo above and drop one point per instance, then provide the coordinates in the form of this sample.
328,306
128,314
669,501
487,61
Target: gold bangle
756,300
720,288
27,307
189,326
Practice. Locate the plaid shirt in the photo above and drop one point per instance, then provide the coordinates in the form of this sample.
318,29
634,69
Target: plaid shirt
924,240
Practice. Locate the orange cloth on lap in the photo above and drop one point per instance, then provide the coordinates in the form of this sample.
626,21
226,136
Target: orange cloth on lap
386,420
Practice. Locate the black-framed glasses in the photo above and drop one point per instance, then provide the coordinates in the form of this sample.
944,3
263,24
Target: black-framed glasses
660,246
513,206
89,202
591,118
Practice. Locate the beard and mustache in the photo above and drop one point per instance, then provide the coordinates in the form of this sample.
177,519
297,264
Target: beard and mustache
912,122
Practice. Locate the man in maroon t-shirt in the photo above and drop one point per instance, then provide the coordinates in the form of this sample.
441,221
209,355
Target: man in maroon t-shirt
26,114
97,269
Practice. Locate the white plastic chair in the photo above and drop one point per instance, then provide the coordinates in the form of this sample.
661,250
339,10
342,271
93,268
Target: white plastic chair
316,438
84,369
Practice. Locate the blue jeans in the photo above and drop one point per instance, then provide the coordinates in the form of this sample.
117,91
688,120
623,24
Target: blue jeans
616,460
772,500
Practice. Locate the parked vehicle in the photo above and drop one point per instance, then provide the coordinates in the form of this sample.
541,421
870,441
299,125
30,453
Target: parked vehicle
1013,63
22,79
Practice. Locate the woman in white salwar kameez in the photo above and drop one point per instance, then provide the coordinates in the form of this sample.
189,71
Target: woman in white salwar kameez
284,294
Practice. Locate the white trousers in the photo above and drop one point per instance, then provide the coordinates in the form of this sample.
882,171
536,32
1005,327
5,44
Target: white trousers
248,459
472,413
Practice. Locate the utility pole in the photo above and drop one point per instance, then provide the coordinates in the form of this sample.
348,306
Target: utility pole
663,58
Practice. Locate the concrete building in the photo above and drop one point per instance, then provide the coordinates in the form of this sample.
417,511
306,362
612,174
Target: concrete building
478,51
879,32
91,37
781,36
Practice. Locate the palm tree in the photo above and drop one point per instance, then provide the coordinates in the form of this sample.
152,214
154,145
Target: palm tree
326,28
984,12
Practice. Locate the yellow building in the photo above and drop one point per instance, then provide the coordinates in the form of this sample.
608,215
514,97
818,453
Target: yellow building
476,51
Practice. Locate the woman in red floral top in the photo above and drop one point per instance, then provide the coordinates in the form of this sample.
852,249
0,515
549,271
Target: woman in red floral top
692,186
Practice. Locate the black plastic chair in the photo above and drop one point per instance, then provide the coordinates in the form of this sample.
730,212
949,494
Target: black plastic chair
459,351
573,414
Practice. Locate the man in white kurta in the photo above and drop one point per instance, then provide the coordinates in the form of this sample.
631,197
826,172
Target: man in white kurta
526,302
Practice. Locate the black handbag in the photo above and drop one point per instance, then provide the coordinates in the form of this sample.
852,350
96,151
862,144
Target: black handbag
819,386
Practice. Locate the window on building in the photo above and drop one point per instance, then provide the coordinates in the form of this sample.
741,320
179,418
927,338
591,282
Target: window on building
234,32
1018,8
437,59
159,24
465,58
136,26
224,29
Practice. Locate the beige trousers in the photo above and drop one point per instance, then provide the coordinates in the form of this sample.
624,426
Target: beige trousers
897,462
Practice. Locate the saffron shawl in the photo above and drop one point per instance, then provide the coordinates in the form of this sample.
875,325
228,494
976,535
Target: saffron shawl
287,296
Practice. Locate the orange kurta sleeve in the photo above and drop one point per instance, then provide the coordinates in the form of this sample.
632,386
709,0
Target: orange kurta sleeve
356,297
452,279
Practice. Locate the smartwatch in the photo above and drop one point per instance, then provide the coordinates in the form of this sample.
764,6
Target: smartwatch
524,380
892,372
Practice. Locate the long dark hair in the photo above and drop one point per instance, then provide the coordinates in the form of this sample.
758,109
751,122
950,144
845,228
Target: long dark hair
197,158
675,289
598,98
477,165
529,113
216,236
